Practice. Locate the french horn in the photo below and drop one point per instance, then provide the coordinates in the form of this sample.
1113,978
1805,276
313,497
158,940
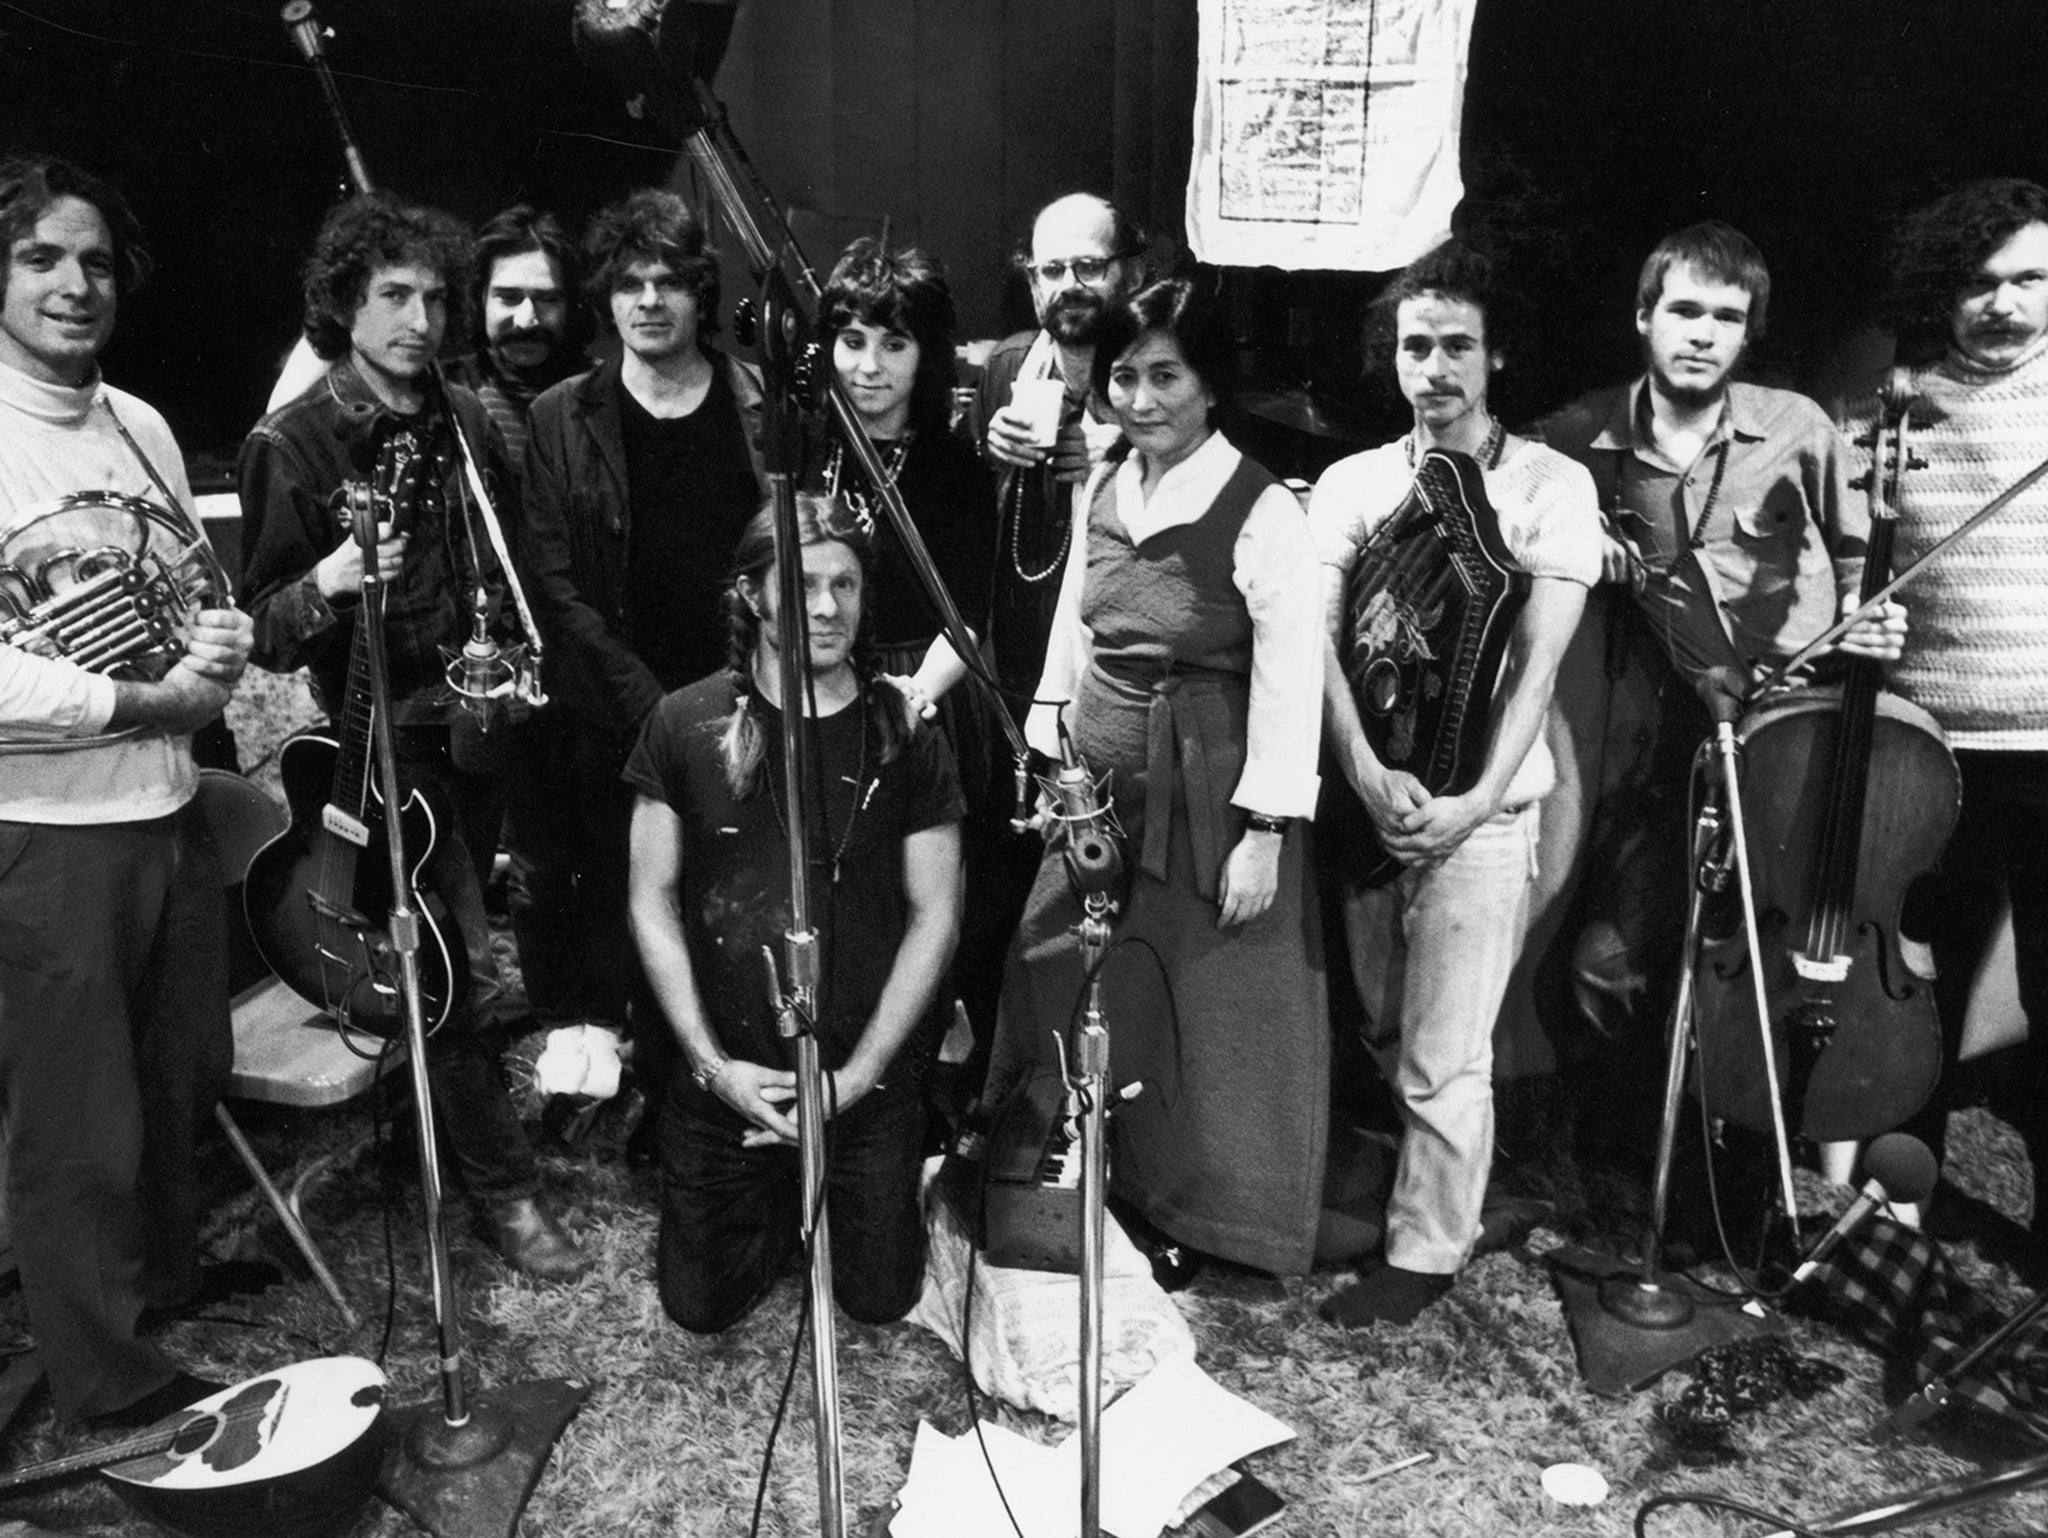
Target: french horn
106,581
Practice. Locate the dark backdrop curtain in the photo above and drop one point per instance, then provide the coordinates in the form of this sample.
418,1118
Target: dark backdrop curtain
956,118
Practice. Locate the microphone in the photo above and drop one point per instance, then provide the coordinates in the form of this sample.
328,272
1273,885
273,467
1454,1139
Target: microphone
1085,810
1722,690
1900,1169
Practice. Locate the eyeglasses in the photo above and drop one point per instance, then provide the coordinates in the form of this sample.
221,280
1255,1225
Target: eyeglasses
1086,269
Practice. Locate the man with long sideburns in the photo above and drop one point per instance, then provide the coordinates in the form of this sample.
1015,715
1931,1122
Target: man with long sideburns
1432,949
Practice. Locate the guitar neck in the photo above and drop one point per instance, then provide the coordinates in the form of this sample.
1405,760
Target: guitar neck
142,1444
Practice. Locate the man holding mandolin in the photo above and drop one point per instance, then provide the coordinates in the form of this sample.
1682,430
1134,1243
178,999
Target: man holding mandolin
113,959
380,286
1432,946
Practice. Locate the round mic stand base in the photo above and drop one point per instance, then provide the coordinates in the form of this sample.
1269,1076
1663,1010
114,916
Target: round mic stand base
1646,1304
473,1480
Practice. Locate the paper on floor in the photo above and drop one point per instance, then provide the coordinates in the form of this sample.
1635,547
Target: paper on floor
1161,1439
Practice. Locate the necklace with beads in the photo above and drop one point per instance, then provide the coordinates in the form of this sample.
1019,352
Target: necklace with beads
859,502
1489,451
1015,513
863,792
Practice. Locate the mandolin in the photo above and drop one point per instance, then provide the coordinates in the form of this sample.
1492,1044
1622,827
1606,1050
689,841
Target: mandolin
293,1451
318,896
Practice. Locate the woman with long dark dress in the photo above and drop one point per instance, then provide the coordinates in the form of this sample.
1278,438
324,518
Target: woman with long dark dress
1187,652
887,317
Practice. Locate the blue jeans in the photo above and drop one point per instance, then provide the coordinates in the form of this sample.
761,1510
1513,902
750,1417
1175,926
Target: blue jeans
731,1217
1432,951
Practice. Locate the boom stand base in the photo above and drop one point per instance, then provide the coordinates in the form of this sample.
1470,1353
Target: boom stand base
1617,1357
473,1480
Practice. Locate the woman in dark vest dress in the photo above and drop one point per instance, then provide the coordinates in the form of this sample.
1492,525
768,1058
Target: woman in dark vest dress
1187,653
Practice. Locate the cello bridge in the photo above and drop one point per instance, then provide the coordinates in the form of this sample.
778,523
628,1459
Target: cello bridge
1821,969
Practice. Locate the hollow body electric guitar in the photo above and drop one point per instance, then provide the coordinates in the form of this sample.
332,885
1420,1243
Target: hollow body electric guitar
319,895
293,1451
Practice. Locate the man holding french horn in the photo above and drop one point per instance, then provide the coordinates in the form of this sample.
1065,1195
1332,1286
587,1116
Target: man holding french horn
112,945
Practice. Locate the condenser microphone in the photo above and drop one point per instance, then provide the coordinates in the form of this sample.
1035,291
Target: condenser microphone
1085,810
1900,1169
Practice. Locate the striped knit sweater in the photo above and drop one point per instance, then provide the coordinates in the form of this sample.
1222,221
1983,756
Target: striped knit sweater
1977,643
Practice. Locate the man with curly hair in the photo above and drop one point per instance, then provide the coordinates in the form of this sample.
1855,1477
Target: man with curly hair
382,284
114,1030
1968,302
639,476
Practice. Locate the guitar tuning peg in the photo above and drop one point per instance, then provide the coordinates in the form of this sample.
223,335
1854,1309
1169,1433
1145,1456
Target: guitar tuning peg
1866,440
1915,461
1860,482
746,321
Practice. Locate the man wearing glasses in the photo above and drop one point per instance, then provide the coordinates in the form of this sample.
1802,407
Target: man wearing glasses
1731,523
1082,261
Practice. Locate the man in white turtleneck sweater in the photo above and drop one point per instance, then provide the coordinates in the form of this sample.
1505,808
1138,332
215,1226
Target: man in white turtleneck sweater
1968,301
107,898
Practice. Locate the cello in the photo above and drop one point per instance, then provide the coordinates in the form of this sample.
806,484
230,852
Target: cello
1850,793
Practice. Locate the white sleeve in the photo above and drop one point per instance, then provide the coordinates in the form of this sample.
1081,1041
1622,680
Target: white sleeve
1277,572
1069,645
43,699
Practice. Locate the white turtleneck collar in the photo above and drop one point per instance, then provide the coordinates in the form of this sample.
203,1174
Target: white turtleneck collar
64,405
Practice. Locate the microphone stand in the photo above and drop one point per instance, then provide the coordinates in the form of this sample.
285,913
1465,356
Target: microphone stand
1091,1082
796,998
624,37
468,1471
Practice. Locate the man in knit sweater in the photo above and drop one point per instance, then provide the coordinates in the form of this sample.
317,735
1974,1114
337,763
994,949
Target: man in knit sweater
1968,302
112,937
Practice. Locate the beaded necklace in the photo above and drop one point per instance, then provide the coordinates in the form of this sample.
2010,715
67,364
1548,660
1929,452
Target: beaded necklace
1489,451
1014,511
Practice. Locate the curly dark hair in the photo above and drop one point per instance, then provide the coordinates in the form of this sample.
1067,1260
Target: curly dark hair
902,291
819,518
367,233
651,225
1716,251
29,184
1185,311
1453,270
1939,247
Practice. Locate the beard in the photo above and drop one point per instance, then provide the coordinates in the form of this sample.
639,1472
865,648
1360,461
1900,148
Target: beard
1075,319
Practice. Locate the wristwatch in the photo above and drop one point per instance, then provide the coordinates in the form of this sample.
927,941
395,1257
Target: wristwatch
1265,822
706,1073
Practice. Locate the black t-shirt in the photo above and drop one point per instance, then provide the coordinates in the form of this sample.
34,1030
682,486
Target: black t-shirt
691,487
735,861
